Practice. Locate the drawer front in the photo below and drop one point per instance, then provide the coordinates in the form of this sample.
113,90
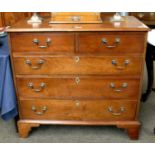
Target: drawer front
111,42
42,42
78,87
114,110
112,65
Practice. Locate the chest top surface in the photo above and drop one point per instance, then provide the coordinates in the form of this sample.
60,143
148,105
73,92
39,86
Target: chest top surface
129,23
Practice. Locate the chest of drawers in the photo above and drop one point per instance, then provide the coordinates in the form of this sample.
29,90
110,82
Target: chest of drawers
78,74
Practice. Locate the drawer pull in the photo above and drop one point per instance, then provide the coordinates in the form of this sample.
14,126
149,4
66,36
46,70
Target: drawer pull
122,109
43,110
123,86
37,42
77,80
77,59
38,66
126,62
42,86
116,42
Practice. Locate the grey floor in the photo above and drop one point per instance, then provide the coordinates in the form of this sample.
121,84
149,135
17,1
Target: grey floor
85,134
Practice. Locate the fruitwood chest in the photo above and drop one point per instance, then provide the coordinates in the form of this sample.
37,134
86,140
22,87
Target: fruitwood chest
78,74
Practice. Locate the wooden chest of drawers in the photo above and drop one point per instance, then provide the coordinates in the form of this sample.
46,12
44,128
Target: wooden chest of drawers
79,74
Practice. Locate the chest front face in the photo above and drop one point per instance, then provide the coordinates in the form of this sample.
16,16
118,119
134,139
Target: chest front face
90,75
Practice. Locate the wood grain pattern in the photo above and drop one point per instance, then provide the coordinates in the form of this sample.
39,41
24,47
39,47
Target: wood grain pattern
25,128
132,129
77,80
60,42
10,18
142,77
75,17
146,17
88,87
130,24
1,20
86,110
77,64
92,42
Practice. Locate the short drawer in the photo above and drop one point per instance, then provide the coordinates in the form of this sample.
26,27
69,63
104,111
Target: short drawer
78,87
42,42
124,42
106,65
86,110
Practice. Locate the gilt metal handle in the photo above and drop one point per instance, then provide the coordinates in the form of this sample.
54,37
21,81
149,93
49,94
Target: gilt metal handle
115,44
41,87
115,63
110,109
123,86
37,42
43,110
38,66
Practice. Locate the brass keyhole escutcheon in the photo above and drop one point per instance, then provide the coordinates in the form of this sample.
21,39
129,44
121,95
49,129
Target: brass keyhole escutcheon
77,80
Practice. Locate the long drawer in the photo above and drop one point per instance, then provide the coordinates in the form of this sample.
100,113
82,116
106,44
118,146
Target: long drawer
77,87
54,64
111,42
90,110
43,42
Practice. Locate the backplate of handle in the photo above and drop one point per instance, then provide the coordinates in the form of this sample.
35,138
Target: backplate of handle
121,110
115,43
41,87
37,42
35,67
120,89
125,64
43,110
